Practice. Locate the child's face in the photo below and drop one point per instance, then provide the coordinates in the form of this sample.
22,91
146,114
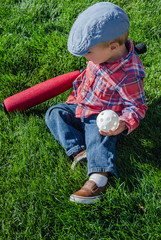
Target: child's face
100,54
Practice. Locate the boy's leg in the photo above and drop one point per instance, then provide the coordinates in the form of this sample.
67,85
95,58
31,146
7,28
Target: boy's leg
100,149
66,128
101,156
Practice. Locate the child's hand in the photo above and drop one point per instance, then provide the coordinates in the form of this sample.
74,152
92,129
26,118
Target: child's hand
122,127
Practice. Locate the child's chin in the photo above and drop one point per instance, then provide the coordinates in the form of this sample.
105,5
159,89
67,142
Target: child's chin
96,62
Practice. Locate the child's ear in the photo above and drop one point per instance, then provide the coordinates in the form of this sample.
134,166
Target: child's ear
114,46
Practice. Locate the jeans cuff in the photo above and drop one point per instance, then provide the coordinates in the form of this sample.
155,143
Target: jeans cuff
103,170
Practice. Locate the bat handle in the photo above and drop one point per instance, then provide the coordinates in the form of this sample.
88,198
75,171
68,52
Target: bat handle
140,48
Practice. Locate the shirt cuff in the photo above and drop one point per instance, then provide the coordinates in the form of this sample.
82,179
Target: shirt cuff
131,125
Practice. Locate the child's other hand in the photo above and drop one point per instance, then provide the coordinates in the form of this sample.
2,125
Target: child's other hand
122,127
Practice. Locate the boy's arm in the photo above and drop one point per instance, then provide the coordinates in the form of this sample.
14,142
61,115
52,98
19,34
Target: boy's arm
134,107
76,84
134,104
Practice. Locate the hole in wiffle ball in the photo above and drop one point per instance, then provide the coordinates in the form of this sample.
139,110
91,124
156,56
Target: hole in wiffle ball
101,119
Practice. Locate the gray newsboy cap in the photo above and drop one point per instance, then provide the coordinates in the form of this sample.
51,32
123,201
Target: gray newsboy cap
101,22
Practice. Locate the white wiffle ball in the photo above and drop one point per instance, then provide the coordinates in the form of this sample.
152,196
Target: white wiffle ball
107,120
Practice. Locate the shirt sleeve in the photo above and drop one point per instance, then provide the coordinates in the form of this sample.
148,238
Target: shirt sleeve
72,97
134,105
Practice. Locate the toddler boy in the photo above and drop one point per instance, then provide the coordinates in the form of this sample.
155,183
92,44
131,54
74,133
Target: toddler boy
113,79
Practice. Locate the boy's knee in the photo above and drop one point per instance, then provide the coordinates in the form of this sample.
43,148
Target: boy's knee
47,115
53,112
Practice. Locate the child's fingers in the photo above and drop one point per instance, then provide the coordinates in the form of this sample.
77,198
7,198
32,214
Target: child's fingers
122,127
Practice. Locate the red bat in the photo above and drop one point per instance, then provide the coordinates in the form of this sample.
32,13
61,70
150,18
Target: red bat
40,92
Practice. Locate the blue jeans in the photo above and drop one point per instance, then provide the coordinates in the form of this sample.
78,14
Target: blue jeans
77,134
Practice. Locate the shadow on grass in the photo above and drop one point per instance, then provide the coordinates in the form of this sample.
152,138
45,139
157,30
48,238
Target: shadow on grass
142,147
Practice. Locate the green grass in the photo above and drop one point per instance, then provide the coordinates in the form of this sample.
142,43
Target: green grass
35,176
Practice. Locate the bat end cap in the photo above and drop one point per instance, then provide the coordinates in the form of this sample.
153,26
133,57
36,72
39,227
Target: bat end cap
4,107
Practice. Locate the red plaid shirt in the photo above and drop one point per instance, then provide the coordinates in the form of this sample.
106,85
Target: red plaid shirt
117,86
